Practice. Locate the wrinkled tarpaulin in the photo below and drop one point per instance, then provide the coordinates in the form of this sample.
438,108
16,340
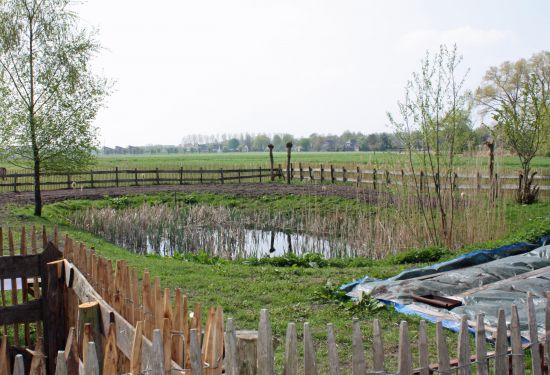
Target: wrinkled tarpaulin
483,280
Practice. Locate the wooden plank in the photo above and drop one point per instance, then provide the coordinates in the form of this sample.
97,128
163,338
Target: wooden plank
536,360
135,357
195,353
442,350
88,313
333,362
5,365
405,356
358,364
24,283
230,363
2,291
291,351
464,348
265,345
423,354
157,354
377,347
148,309
110,354
501,353
71,352
178,334
28,312
91,362
247,351
61,364
20,266
310,365
18,365
38,363
54,311
167,343
14,297
481,352
125,331
517,351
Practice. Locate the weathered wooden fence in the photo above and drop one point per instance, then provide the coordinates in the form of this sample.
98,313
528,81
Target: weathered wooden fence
108,322
373,178
24,181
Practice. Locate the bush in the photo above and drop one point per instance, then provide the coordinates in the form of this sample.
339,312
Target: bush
425,255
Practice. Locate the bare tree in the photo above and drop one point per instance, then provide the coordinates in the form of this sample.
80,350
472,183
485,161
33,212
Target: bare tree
432,116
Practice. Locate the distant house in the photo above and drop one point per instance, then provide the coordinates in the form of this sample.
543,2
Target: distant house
328,145
107,150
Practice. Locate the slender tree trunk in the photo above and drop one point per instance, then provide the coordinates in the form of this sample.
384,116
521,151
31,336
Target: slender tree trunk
37,192
32,125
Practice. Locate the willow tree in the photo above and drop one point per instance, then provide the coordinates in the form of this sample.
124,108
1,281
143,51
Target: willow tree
431,123
516,95
49,94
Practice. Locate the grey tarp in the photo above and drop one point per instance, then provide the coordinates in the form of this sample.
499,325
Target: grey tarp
482,288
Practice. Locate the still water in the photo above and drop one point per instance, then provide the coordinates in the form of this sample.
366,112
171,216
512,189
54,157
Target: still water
248,243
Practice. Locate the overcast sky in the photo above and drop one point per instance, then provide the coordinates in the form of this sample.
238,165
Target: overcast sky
224,66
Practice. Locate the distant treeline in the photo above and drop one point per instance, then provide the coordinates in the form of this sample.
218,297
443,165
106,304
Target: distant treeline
347,141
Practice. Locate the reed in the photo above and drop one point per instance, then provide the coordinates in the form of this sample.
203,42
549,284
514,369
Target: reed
391,226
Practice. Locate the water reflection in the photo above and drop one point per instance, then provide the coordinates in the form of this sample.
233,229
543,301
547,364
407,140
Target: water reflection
247,243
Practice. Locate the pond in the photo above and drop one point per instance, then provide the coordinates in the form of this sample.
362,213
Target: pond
249,243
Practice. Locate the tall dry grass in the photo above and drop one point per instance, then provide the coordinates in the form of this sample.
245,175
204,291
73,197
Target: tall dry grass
393,225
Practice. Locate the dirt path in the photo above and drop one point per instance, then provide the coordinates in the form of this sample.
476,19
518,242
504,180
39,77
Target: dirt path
246,190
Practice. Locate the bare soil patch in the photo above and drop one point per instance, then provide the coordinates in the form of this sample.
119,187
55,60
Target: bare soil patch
245,190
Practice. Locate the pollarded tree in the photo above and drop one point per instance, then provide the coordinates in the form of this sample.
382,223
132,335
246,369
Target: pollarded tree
431,123
517,97
49,94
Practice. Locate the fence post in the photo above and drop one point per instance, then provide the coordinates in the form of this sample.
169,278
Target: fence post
478,181
358,177
270,146
181,175
374,179
239,175
116,176
301,172
136,177
92,179
54,314
421,181
331,173
288,165
260,173
344,174
15,183
157,176
310,173
68,181
388,180
322,177
221,175
280,173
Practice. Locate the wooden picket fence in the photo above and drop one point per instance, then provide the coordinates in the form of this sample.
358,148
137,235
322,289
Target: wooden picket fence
109,322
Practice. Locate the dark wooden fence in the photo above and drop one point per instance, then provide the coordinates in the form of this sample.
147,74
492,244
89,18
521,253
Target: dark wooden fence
374,178
29,296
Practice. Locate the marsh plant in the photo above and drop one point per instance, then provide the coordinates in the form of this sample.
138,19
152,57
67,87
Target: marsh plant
390,227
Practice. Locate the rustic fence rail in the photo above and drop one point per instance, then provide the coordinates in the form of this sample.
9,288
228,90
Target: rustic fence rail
372,178
107,321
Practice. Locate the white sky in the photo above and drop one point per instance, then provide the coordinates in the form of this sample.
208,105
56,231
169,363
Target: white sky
299,66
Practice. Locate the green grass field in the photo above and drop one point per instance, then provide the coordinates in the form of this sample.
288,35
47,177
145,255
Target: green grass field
390,160
382,160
